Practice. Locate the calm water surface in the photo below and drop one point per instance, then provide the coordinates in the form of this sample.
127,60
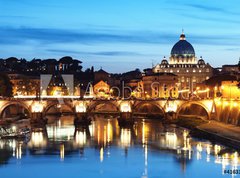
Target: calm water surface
104,149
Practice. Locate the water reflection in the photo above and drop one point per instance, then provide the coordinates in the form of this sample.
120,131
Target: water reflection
62,138
125,137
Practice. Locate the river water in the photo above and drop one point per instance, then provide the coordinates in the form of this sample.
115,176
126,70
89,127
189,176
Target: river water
103,149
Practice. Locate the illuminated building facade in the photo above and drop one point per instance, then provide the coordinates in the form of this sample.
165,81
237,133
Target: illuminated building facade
24,85
160,85
185,65
229,89
224,85
101,89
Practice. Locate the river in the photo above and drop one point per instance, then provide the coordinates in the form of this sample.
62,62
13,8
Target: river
103,149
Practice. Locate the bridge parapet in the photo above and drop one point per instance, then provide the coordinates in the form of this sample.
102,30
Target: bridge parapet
131,105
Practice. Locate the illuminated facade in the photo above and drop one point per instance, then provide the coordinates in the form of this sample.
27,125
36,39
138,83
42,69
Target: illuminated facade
24,85
185,65
230,90
101,89
160,85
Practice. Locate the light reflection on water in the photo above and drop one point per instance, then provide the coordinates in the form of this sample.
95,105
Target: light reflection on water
103,149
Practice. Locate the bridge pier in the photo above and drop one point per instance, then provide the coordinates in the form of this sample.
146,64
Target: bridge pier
37,120
82,119
126,115
126,119
171,115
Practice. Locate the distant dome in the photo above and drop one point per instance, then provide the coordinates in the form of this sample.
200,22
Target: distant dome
164,61
201,61
182,48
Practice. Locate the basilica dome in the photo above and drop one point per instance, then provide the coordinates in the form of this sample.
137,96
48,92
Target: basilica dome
182,48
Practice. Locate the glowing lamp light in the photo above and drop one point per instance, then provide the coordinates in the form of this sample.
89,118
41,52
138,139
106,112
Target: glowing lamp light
235,104
56,93
226,103
81,108
125,107
37,107
218,102
171,108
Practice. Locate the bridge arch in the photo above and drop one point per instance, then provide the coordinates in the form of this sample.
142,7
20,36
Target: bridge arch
192,103
56,104
15,103
100,104
147,106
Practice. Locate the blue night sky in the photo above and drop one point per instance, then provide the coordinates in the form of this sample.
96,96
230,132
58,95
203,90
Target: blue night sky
119,35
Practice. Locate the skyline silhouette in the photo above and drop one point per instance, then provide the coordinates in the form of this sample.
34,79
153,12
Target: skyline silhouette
121,35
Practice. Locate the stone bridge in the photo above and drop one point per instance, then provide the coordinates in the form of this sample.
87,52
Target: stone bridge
136,106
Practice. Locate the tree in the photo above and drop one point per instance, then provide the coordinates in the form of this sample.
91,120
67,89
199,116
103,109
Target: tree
5,86
49,65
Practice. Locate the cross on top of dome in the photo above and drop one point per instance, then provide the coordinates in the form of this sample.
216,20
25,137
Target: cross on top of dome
182,36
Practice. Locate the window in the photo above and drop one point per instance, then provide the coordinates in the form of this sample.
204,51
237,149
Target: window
182,80
194,79
165,87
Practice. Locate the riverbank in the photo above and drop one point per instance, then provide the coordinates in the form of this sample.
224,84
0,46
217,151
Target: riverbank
215,131
224,133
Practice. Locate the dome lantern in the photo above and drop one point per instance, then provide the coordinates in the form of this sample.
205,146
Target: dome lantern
182,36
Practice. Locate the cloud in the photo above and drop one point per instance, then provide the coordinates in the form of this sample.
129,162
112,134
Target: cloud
206,8
211,8
211,19
46,36
16,17
232,49
101,53
51,35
